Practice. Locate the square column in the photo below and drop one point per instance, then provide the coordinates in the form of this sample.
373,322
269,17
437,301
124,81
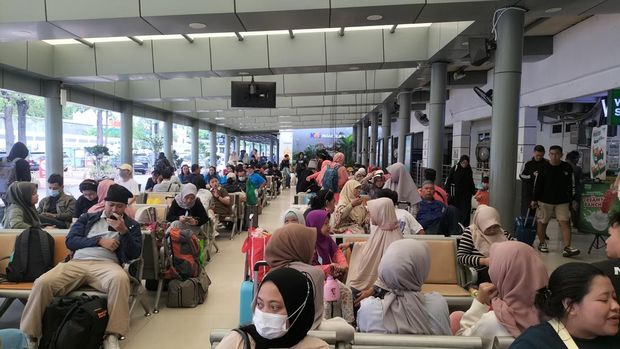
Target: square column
528,130
461,140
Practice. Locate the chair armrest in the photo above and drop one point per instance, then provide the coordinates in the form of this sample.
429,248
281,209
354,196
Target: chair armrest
470,277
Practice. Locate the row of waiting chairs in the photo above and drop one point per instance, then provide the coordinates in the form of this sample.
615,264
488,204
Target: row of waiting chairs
387,341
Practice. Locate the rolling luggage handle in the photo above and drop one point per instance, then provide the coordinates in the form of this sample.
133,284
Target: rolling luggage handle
256,283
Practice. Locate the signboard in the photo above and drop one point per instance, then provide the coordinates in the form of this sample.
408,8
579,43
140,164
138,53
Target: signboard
613,107
598,161
591,219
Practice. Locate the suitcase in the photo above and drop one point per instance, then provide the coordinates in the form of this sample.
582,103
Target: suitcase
246,295
525,228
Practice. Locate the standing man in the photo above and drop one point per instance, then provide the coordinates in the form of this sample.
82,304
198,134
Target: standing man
530,170
553,193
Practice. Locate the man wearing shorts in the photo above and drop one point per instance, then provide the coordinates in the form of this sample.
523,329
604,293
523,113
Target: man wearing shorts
553,193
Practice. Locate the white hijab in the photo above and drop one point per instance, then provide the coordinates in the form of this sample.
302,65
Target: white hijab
401,182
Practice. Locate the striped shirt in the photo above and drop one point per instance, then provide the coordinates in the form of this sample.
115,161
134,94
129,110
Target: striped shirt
467,254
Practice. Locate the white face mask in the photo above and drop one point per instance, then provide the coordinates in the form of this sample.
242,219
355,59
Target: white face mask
269,326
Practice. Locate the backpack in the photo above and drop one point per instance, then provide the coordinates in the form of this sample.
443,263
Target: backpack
330,179
8,174
250,192
74,323
32,257
184,254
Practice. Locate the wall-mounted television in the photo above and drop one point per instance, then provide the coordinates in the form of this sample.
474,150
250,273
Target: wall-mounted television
244,94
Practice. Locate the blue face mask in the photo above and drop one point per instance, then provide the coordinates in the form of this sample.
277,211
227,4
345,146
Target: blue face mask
53,193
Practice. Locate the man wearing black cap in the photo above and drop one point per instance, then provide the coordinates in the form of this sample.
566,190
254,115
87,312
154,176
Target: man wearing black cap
101,242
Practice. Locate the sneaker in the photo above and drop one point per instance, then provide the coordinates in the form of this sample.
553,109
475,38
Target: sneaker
32,343
570,251
542,247
111,342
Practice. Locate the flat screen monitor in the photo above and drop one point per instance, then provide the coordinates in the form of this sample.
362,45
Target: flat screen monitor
244,94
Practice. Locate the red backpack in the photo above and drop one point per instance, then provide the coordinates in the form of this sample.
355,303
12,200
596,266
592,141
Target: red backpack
183,254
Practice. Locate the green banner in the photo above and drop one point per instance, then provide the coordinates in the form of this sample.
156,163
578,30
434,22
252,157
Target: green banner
613,107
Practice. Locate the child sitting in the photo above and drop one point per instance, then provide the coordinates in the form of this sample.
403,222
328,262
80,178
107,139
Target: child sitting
482,195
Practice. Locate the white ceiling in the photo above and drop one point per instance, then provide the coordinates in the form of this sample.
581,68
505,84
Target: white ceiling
322,77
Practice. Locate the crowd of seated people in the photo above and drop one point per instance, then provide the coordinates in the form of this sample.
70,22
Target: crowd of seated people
381,283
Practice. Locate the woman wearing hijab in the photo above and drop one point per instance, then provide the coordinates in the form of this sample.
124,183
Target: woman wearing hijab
350,215
365,256
401,182
343,175
283,315
360,174
327,255
404,308
293,215
102,191
20,212
476,241
187,210
332,261
516,274
461,187
293,246
88,199
318,176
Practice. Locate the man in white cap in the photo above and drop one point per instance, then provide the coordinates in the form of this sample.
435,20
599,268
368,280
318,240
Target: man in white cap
101,242
125,178
373,183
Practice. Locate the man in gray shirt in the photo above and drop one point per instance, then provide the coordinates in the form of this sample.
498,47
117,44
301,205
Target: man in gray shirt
100,243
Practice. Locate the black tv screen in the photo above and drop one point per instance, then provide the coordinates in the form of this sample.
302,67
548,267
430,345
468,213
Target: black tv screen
261,95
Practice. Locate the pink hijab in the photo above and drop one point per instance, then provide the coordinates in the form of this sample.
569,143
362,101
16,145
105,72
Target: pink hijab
517,272
102,191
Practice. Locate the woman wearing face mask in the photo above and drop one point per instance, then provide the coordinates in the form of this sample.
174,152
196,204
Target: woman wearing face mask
88,199
20,212
186,210
476,241
283,315
581,308
293,215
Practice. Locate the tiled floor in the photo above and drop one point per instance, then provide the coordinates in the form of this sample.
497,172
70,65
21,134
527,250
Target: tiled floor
190,328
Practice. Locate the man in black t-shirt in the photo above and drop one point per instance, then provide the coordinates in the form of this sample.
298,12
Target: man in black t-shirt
528,177
553,192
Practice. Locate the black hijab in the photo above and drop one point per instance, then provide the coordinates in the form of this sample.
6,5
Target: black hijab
18,150
296,290
463,177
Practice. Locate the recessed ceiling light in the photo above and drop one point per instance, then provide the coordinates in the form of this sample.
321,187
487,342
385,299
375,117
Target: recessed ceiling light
354,68
465,43
374,17
197,25
553,10
244,73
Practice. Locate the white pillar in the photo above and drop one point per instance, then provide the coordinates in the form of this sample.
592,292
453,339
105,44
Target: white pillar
404,122
461,140
195,142
53,127
168,135
227,149
127,132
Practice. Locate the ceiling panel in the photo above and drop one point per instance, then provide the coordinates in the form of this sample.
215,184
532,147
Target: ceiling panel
231,54
304,50
136,59
349,13
179,24
353,47
283,14
178,56
455,10
30,31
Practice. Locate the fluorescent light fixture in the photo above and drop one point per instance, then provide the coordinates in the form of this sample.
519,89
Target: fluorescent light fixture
108,39
414,25
244,73
553,10
159,37
196,25
265,32
211,35
61,42
218,118
317,30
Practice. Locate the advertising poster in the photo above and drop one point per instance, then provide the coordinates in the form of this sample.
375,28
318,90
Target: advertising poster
591,219
598,161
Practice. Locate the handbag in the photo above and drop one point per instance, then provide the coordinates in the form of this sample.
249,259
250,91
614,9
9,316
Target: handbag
562,332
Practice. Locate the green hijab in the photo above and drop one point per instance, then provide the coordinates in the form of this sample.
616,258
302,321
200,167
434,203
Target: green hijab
20,194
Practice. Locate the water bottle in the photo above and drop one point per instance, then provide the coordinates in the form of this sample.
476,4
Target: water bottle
331,290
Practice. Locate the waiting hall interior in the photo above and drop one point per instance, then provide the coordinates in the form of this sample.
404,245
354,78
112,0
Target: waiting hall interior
309,174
